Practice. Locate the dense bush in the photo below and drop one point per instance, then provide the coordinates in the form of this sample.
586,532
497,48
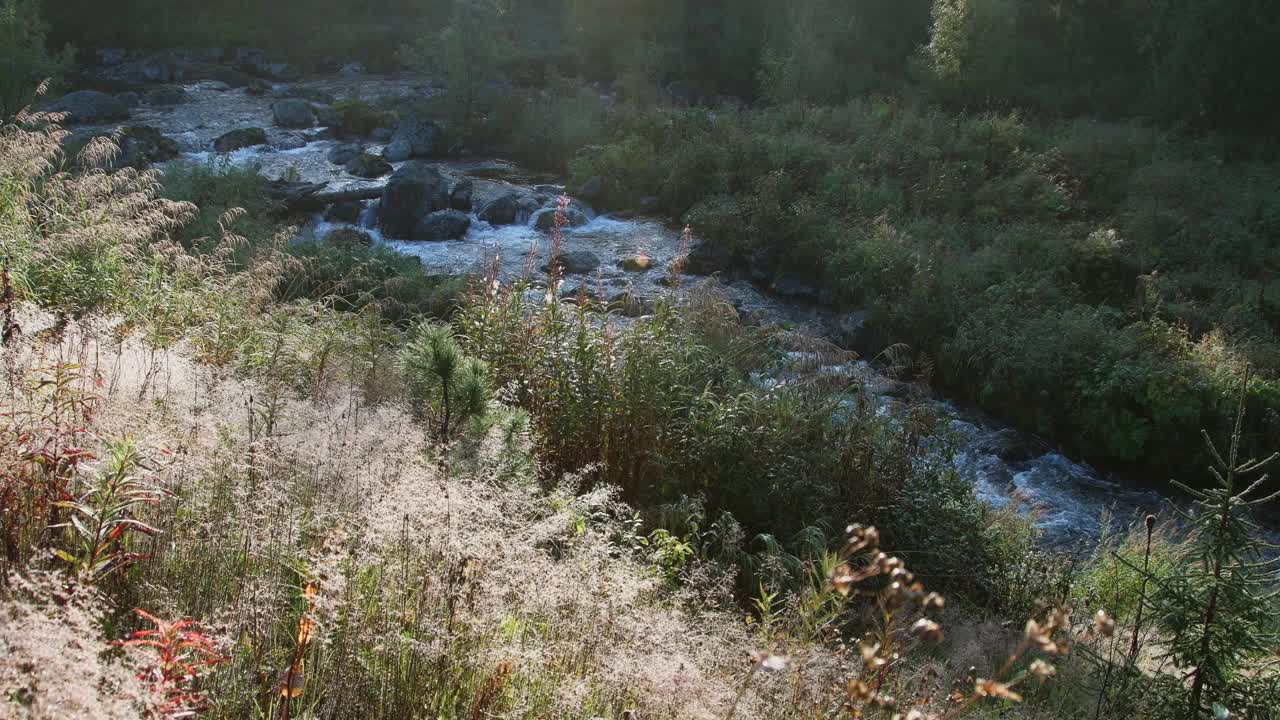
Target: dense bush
27,60
672,407
1061,274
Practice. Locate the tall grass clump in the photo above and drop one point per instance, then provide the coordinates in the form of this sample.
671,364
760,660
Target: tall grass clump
689,403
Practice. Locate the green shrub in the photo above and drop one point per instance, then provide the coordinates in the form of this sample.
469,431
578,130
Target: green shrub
360,118
24,56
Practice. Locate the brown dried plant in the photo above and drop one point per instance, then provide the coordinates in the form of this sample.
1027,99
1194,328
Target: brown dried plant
900,608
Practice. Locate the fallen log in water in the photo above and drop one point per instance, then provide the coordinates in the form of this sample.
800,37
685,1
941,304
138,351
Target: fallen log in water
297,196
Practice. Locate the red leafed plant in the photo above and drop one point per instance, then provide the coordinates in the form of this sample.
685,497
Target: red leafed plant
44,433
183,653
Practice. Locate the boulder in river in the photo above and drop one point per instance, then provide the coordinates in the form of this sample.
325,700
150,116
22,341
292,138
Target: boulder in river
368,166
579,262
348,238
239,139
442,225
545,219
141,145
636,263
90,106
293,113
161,67
344,212
130,98
413,191
289,142
502,210
572,291
707,258
219,73
630,304
166,95
344,153
397,151
417,135
460,198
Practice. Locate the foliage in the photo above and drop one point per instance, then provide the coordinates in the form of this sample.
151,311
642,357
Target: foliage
448,386
103,518
1219,610
913,212
360,118
183,655
466,58
27,62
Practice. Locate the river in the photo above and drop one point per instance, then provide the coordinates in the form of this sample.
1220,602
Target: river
1069,500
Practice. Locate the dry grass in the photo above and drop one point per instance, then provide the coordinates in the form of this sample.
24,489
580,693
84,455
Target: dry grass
55,665
575,625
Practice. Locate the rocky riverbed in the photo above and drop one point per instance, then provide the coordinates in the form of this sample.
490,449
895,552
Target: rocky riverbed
456,214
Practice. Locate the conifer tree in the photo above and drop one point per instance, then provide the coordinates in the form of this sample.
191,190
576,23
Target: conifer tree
1220,612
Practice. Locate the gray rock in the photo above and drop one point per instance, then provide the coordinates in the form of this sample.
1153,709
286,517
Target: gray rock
290,142
129,98
580,262
166,95
368,166
344,212
636,263
219,73
239,139
630,304
545,219
348,238
528,206
162,67
398,151
461,197
90,106
293,113
255,61
381,135
345,153
442,225
413,191
353,69
502,210
570,291
141,145
419,133
707,258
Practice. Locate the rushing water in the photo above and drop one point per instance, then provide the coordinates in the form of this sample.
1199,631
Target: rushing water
1069,499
